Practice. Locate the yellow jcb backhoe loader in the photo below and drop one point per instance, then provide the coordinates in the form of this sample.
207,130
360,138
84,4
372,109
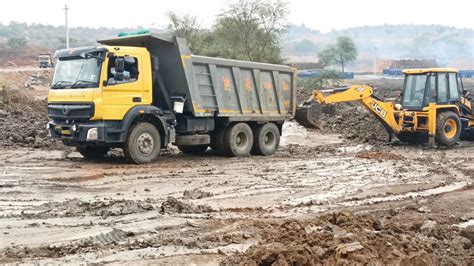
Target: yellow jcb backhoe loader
432,104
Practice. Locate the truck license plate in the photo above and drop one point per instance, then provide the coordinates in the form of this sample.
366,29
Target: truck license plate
66,132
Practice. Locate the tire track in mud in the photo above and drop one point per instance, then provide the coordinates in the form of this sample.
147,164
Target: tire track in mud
73,206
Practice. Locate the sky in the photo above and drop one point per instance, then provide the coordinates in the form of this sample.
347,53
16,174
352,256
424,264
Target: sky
319,15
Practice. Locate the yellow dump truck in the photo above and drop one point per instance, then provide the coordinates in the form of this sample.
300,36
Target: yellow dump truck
143,92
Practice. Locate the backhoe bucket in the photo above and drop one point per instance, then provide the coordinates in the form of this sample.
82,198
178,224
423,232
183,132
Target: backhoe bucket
309,113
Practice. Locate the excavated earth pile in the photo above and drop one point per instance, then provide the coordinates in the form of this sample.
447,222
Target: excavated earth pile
378,238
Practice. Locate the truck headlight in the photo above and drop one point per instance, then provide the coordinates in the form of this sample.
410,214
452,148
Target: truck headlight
74,128
92,134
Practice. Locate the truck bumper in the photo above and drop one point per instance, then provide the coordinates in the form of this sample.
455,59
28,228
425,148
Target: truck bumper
90,133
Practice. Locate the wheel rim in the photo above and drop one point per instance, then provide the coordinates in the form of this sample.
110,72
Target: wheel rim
269,139
241,140
145,143
450,128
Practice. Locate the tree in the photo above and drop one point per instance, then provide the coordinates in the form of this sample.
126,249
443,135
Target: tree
251,29
17,42
341,53
187,27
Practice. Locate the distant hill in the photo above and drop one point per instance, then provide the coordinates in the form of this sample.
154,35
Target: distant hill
449,46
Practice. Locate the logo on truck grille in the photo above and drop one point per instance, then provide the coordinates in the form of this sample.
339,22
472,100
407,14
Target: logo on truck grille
65,110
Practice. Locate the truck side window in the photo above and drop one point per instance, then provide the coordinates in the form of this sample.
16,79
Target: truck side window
129,75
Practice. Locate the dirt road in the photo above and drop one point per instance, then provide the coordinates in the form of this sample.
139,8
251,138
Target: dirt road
57,207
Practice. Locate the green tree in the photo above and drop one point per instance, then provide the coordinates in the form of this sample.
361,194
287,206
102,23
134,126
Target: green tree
17,42
187,27
341,53
251,29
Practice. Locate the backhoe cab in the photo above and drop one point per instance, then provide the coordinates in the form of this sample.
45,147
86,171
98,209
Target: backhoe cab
432,104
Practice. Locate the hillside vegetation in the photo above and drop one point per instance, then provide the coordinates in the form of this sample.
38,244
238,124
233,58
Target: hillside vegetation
449,46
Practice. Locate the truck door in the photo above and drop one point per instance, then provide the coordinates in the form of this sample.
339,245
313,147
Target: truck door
123,86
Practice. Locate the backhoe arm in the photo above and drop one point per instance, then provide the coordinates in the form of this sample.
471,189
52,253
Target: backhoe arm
384,111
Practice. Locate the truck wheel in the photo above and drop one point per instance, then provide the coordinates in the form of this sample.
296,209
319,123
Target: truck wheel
143,143
93,152
238,140
267,139
194,149
218,141
448,128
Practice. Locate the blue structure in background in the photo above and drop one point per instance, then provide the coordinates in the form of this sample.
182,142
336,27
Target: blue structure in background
313,73
466,73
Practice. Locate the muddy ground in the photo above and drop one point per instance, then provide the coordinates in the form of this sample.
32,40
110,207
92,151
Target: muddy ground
323,198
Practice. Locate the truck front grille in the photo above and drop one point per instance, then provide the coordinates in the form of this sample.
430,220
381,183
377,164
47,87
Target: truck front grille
74,112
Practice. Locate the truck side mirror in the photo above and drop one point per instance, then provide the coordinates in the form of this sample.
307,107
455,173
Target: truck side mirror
119,68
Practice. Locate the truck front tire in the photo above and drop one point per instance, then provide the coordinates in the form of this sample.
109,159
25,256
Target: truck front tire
143,143
238,140
267,139
93,152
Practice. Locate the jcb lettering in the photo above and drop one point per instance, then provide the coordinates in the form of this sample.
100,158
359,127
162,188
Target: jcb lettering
379,110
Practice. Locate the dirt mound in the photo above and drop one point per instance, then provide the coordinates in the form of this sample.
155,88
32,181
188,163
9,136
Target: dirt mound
196,194
344,238
25,125
76,207
353,122
13,57
172,205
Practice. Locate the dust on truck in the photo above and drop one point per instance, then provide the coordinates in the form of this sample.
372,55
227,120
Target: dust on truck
143,92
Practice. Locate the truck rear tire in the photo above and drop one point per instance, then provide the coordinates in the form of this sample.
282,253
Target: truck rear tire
238,140
267,139
93,152
218,141
194,149
143,143
448,128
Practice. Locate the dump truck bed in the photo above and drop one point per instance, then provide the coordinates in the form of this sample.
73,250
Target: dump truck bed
239,90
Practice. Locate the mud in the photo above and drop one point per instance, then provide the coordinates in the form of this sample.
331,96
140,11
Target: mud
379,238
323,198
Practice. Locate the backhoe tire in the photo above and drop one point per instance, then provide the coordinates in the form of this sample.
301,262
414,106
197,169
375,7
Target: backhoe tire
238,140
266,139
448,128
93,152
194,149
143,143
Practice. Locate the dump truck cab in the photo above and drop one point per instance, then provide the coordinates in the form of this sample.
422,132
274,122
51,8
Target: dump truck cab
97,93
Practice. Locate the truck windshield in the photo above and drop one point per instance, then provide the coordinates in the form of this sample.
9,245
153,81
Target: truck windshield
414,91
77,73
